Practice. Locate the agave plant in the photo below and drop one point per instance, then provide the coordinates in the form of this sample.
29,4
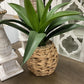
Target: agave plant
43,24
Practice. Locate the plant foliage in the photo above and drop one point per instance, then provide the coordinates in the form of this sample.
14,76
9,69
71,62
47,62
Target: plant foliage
43,24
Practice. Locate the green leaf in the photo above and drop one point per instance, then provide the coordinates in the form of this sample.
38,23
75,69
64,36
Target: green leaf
15,26
63,13
21,12
40,8
33,42
57,15
31,14
43,19
62,20
16,21
63,29
54,9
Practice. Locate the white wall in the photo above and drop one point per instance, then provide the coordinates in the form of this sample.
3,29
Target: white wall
5,5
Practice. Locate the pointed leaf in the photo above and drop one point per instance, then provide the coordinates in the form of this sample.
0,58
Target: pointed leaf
40,8
53,10
17,21
57,15
43,19
63,29
62,20
31,14
15,26
21,12
63,13
33,41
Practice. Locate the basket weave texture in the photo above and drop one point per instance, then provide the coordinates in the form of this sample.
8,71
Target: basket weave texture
44,60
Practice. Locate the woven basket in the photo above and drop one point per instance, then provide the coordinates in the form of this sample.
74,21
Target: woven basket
44,60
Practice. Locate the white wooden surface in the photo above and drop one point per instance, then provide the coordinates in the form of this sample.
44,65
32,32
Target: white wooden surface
9,69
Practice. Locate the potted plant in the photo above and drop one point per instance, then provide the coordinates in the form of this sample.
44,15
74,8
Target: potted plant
40,53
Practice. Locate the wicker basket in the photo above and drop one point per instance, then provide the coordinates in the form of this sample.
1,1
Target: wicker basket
44,60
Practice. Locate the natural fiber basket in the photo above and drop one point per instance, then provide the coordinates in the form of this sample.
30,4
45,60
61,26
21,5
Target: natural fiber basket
44,60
